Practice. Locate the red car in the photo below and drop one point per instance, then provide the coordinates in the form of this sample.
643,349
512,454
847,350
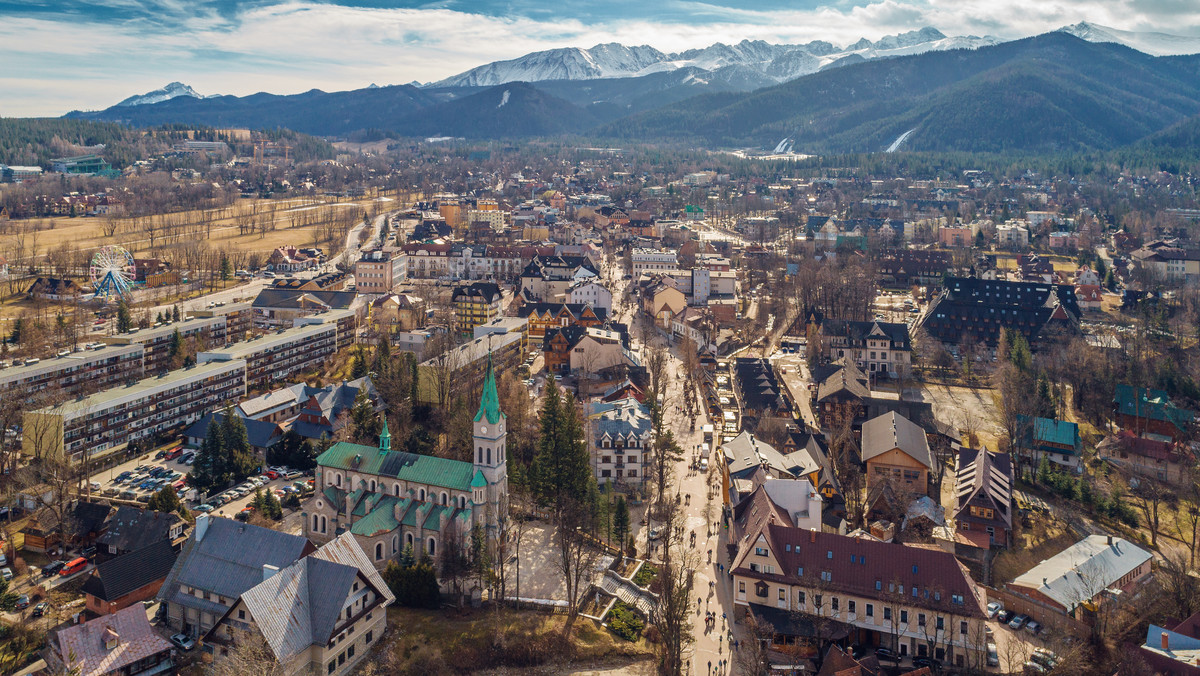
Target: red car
271,474
175,453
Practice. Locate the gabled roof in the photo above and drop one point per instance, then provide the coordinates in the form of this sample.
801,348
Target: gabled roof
892,430
82,645
289,299
1151,404
489,402
985,479
129,572
131,529
423,469
260,433
1048,431
229,557
847,379
746,453
299,606
1083,570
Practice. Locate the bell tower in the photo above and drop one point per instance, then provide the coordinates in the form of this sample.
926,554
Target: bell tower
491,452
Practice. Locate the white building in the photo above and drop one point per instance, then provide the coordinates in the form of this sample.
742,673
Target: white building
651,260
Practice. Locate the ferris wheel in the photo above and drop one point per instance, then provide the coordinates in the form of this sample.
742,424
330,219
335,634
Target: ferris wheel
112,271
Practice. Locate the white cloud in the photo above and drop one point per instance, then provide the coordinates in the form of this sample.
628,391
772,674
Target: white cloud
298,45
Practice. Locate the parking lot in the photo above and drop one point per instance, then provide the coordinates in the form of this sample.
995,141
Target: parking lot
139,479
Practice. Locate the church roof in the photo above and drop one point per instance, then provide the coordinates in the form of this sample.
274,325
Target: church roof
479,481
489,403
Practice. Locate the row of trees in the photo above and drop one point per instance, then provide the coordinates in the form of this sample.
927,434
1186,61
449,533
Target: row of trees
225,457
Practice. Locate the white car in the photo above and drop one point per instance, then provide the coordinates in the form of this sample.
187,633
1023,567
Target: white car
183,641
993,608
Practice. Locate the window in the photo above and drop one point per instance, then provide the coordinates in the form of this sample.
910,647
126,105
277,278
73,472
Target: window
920,619
962,627
241,614
332,666
904,616
350,651
887,614
800,598
432,546
800,571
870,610
370,635
941,623
878,585
741,587
829,554
956,599
850,606
833,603
760,551
378,551
826,575
782,595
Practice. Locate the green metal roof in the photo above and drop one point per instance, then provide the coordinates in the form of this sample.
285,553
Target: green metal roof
421,469
381,518
410,517
489,403
433,519
1047,431
335,496
1151,404
479,481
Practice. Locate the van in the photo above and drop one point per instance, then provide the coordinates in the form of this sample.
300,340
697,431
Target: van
73,566
703,464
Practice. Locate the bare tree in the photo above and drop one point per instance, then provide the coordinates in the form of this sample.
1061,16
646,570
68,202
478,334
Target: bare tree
671,615
576,556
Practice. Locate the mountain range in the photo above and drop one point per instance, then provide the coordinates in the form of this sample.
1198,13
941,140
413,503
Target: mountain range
172,90
1078,87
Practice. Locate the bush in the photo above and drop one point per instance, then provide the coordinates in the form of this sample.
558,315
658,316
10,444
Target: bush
645,575
624,622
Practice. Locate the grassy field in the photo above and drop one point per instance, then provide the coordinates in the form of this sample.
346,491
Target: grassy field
433,643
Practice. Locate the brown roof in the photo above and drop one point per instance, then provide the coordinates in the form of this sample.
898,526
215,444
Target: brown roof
857,564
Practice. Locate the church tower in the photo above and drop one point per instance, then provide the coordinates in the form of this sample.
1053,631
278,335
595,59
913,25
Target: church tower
491,456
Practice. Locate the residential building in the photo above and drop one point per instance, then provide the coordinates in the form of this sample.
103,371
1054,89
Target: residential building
1064,241
120,644
663,302
975,309
104,422
262,435
390,500
280,308
129,529
476,304
221,560
292,259
1154,458
1163,262
547,277
881,348
592,293
311,412
1013,235
276,357
983,488
80,372
320,615
759,392
464,368
1055,440
599,349
397,313
908,267
545,316
128,579
329,281
652,260
1151,413
1173,651
895,450
239,319
379,271
1085,575
205,332
747,462
45,531
619,435
914,600
1090,297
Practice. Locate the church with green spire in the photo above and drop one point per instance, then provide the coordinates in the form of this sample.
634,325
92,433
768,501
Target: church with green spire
392,499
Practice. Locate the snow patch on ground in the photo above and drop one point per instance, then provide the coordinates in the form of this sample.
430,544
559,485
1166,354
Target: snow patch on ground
900,140
503,99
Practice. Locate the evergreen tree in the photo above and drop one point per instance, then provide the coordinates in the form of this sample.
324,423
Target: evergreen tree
175,313
266,504
158,319
407,560
241,458
1045,399
175,350
1110,281
620,519
18,327
210,469
226,268
364,422
381,363
560,471
167,501
414,378
124,320
8,598
358,368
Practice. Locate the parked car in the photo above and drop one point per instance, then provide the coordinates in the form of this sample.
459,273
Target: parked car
41,608
22,602
886,654
272,474
128,495
160,455
935,665
1034,627
1044,657
993,608
1004,616
993,657
1033,668
183,641
53,567
1018,621
73,566
6,573
204,509
654,534
88,552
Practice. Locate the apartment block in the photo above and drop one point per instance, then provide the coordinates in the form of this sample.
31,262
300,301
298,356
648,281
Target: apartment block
239,318
378,271
77,373
107,421
278,356
208,332
650,260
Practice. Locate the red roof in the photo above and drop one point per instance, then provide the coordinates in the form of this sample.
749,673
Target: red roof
1088,292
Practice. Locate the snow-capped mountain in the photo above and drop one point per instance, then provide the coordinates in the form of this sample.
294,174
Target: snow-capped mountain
760,60
1156,44
166,93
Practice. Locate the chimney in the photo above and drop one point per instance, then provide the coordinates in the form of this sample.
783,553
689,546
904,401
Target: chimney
268,571
201,526
812,536
1109,540
1166,641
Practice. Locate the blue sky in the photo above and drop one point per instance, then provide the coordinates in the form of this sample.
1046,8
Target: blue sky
88,54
